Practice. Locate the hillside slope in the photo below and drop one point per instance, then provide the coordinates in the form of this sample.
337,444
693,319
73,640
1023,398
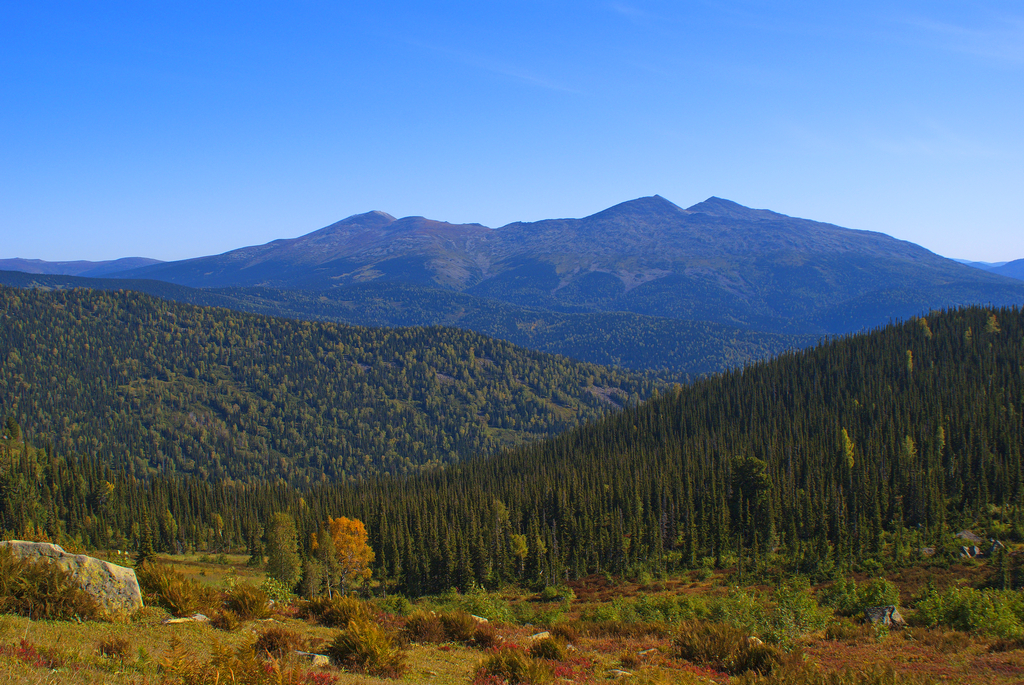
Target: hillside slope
853,455
674,348
162,387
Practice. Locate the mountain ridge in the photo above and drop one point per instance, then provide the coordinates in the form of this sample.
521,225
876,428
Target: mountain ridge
715,261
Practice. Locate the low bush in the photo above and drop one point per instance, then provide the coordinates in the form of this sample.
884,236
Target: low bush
845,630
240,667
848,598
424,626
458,626
557,593
486,636
170,589
276,590
617,629
986,612
795,671
725,648
547,649
225,620
940,639
277,643
32,654
366,648
115,648
334,612
395,604
448,626
515,668
565,631
39,589
248,602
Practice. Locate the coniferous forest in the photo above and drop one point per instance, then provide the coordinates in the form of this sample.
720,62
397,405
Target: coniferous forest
861,450
160,387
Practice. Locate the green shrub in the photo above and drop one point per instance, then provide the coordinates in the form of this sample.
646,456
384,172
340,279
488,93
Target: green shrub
878,592
987,612
557,593
365,647
488,605
792,613
515,668
247,602
395,604
848,598
276,590
39,589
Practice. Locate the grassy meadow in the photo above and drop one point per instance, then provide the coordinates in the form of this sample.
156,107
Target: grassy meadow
701,627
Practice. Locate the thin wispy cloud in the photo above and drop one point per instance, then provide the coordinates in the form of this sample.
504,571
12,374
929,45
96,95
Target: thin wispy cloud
933,140
630,11
1001,39
497,67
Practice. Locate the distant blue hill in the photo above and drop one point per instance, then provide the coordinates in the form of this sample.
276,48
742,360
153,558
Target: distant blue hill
76,268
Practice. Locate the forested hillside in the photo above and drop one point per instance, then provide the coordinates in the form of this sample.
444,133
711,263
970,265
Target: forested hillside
857,452
161,387
673,347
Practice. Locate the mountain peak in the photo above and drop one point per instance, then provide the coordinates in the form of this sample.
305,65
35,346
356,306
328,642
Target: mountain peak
727,209
642,207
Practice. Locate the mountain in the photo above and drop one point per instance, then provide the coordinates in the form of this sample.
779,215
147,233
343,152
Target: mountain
76,268
156,386
715,261
984,266
679,350
1014,269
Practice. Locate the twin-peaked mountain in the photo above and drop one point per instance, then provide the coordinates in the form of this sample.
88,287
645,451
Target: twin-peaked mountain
715,261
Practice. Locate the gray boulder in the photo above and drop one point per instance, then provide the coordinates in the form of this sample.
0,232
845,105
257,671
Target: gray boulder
888,616
115,588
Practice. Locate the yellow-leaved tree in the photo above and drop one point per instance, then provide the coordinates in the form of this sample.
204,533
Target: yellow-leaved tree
351,550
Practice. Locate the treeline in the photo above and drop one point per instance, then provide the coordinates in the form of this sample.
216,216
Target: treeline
858,451
159,387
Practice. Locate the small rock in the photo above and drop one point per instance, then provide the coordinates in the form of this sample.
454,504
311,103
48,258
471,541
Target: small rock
755,640
617,673
644,652
479,619
315,660
540,636
194,618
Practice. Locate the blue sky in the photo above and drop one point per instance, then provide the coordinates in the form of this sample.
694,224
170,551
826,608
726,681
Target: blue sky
166,131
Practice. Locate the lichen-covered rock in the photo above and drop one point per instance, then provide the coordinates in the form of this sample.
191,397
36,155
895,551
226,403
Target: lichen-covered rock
115,588
888,616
